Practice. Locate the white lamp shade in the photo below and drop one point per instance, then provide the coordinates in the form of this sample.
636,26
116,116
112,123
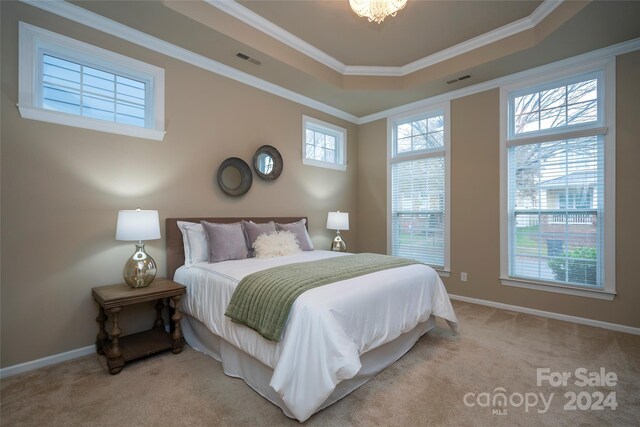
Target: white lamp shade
338,221
138,225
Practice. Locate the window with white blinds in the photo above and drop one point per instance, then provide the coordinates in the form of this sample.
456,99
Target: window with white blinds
419,188
75,88
557,158
69,82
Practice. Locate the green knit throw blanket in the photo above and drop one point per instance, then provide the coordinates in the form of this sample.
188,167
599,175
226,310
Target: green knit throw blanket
262,300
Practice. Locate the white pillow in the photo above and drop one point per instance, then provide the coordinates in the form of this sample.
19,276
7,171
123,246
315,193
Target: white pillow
278,243
195,243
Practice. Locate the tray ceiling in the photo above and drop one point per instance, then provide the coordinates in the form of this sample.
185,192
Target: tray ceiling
325,53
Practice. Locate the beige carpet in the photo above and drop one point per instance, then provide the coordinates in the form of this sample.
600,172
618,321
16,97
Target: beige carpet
495,348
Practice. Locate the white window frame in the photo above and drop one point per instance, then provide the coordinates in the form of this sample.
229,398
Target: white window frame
35,41
605,126
443,109
329,129
575,128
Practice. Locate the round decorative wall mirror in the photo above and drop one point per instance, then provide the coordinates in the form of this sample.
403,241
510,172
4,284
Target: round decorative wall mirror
267,162
234,176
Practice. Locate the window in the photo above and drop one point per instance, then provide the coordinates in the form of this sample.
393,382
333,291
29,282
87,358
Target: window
557,158
555,106
419,183
72,83
323,144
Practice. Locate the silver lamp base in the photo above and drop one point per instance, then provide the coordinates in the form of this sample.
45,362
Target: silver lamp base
338,244
139,270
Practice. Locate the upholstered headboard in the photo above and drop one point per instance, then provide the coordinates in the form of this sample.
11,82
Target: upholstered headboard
175,248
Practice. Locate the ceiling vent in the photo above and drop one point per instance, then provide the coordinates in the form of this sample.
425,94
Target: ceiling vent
248,58
459,79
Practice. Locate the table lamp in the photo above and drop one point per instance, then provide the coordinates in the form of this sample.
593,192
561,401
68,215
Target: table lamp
138,225
338,221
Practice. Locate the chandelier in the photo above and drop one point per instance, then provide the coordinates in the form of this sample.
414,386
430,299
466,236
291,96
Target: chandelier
376,10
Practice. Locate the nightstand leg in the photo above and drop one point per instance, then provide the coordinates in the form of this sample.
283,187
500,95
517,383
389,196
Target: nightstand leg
159,323
102,336
115,361
176,336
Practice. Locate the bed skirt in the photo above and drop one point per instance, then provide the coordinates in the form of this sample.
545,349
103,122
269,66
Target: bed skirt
236,363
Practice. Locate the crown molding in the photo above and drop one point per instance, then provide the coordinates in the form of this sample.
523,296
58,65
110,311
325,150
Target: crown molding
596,56
269,28
543,11
485,39
100,23
259,23
373,71
108,26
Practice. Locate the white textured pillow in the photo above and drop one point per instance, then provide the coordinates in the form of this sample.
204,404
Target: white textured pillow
279,243
196,248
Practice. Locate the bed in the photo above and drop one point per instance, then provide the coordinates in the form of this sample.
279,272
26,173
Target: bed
336,338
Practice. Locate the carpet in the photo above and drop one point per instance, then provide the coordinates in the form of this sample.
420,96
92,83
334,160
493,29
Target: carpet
445,380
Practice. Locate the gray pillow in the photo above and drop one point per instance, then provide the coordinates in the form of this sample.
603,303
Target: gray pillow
253,230
226,241
298,228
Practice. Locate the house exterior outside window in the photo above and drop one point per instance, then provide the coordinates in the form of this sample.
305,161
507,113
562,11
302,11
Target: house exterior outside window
557,195
419,186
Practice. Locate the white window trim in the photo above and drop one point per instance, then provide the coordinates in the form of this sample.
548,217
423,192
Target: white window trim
341,143
392,121
607,128
34,40
576,77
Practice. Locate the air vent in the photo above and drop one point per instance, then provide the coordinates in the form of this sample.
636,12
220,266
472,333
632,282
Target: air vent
459,79
248,58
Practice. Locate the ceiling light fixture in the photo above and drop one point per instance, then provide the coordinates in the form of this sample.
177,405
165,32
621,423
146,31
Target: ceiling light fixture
376,10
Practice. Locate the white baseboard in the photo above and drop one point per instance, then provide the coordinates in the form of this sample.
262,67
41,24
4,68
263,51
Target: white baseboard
84,351
549,314
10,371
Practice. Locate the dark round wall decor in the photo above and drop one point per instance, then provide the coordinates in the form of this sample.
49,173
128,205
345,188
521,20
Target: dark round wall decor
234,176
267,162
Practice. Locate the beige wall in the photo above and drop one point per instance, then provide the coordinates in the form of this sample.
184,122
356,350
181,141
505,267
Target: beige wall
475,221
62,188
372,184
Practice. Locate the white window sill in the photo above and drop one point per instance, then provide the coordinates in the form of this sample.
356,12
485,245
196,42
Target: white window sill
560,289
327,165
443,273
88,123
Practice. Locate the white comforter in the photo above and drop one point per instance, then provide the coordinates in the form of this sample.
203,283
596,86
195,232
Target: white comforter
329,327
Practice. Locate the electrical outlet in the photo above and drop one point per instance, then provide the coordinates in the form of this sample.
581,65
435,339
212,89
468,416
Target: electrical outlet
463,276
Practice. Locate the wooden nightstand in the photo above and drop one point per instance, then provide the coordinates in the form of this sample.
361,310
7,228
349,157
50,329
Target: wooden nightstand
120,350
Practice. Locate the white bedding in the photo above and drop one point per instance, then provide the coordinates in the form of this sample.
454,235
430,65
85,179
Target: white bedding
329,327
